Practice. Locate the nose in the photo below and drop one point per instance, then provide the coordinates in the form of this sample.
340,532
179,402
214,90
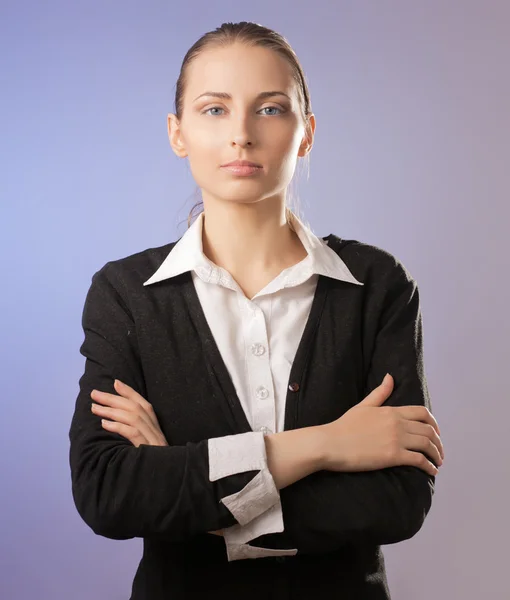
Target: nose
242,131
241,140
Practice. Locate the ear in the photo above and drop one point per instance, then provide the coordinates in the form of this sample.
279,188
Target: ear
307,142
175,136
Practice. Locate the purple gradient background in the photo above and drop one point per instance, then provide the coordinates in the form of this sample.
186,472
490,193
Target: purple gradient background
411,154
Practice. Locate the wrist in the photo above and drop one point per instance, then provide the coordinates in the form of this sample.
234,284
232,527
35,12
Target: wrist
295,453
318,443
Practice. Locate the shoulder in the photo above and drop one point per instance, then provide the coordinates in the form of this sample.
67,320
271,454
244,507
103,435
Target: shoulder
135,267
370,263
119,282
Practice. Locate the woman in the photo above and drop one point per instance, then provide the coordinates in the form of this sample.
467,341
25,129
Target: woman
230,412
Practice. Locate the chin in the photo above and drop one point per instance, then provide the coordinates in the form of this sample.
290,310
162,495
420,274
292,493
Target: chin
239,197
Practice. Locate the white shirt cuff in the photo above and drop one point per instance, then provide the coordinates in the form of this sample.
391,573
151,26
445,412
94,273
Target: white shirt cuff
237,454
237,536
259,495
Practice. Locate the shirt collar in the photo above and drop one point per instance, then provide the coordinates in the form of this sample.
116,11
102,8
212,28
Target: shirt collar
187,255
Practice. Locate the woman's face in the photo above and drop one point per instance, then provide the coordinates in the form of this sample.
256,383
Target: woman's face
266,130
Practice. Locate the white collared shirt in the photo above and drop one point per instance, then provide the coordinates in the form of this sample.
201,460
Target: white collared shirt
257,339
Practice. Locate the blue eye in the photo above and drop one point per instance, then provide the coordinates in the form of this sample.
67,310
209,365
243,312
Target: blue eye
272,107
212,108
265,108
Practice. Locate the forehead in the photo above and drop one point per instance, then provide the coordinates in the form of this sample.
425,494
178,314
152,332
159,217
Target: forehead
239,68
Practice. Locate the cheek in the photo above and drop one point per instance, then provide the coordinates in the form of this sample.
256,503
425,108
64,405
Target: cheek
202,168
284,148
286,170
285,143
203,142
201,138
203,153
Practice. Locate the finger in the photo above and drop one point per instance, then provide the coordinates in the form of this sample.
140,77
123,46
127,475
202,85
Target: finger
380,393
126,431
421,443
136,421
123,405
112,400
115,414
127,404
128,400
417,459
419,413
428,430
125,390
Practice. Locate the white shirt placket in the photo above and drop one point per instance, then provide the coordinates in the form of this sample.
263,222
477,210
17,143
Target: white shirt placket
259,370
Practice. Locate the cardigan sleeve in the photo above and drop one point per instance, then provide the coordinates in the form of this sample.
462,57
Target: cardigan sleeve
327,509
122,491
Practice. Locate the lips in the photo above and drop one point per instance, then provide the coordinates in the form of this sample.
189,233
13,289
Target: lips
241,163
242,170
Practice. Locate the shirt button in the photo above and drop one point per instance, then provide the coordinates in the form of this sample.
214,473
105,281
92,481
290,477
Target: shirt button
281,559
265,430
258,349
294,387
262,393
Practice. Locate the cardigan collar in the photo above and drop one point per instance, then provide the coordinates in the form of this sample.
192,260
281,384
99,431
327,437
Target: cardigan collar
187,255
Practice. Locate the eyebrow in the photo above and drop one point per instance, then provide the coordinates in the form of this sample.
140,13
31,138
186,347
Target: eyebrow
225,96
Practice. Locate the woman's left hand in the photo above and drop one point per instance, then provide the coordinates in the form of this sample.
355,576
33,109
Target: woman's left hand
130,415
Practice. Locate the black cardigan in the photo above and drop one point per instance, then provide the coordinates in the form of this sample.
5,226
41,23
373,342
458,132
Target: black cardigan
157,340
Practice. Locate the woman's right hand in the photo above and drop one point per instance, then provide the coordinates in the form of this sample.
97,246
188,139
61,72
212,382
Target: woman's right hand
370,436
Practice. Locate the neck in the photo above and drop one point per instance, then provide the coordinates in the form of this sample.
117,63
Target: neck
244,238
